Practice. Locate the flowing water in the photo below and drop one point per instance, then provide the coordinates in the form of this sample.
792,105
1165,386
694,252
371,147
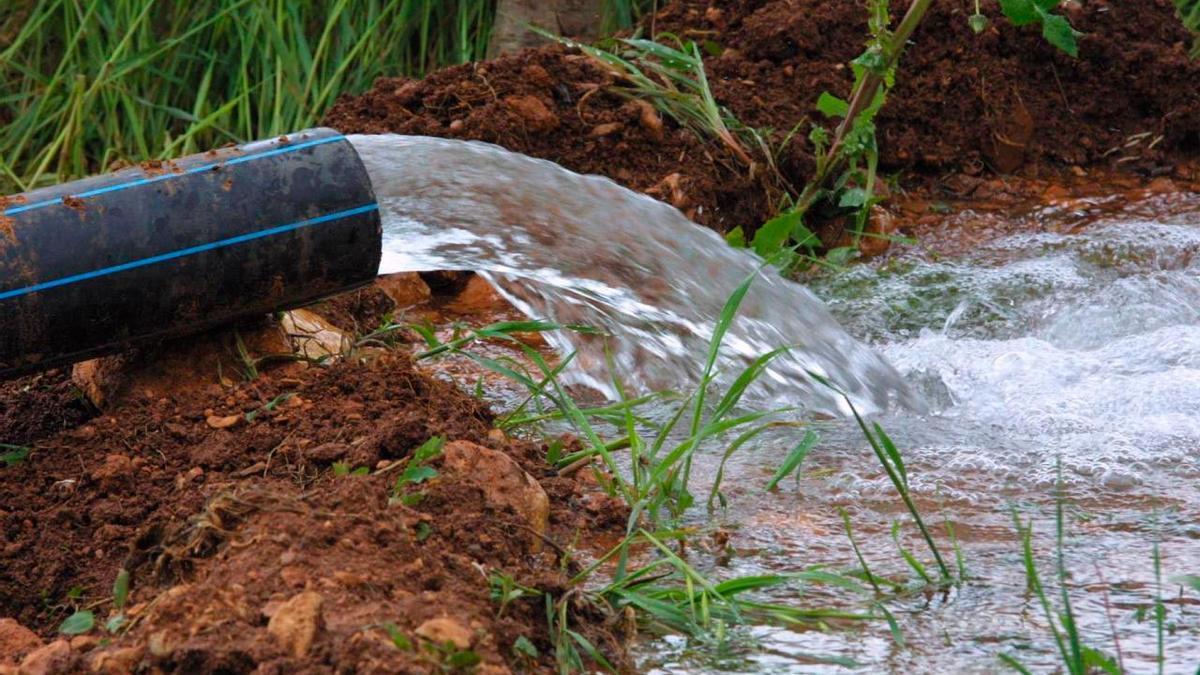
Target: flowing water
1032,352
583,250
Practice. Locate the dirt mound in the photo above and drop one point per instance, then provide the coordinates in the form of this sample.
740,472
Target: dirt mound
222,505
1002,101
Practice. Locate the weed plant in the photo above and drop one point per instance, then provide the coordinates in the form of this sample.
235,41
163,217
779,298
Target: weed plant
85,84
668,594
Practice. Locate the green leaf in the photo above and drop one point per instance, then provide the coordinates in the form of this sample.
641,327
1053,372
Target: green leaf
1058,32
423,531
114,623
13,455
893,626
429,449
853,198
1190,580
524,647
463,659
893,453
121,589
832,106
794,459
398,638
1020,12
978,23
1013,663
771,237
78,623
736,237
841,255
1093,659
418,474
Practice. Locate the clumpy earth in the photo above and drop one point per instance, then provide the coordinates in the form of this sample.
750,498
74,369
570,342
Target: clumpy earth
966,107
255,539
237,505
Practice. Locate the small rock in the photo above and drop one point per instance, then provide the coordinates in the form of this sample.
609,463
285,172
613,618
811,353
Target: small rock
84,643
52,658
312,336
606,129
16,641
160,643
1162,186
881,224
407,92
477,296
502,481
536,74
533,111
406,288
117,661
223,422
649,119
444,629
115,468
296,623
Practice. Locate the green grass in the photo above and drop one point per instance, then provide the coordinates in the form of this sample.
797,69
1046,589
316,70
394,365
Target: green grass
86,83
1189,14
667,593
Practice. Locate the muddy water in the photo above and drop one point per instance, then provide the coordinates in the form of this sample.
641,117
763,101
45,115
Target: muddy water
1082,347
1076,346
583,250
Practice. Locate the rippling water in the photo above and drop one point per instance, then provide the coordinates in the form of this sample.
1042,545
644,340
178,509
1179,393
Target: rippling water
1036,348
1032,351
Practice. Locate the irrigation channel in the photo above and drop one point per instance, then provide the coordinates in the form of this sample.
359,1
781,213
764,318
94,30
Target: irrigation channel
1076,346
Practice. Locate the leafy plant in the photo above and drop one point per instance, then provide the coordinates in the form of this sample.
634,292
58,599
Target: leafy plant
505,590
1055,27
1189,14
845,176
342,469
416,468
12,455
270,406
82,621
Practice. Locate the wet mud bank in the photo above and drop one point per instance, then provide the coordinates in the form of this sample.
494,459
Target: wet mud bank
252,535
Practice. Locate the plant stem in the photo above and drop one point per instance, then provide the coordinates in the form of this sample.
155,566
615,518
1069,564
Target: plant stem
860,99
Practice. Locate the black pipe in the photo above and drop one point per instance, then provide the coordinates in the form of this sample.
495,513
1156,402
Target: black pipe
172,248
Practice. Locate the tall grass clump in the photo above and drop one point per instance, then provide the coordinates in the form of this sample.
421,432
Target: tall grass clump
86,83
651,576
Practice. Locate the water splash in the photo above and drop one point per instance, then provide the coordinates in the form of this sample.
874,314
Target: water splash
583,250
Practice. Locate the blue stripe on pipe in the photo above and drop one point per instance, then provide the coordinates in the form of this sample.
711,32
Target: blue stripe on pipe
232,241
167,176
